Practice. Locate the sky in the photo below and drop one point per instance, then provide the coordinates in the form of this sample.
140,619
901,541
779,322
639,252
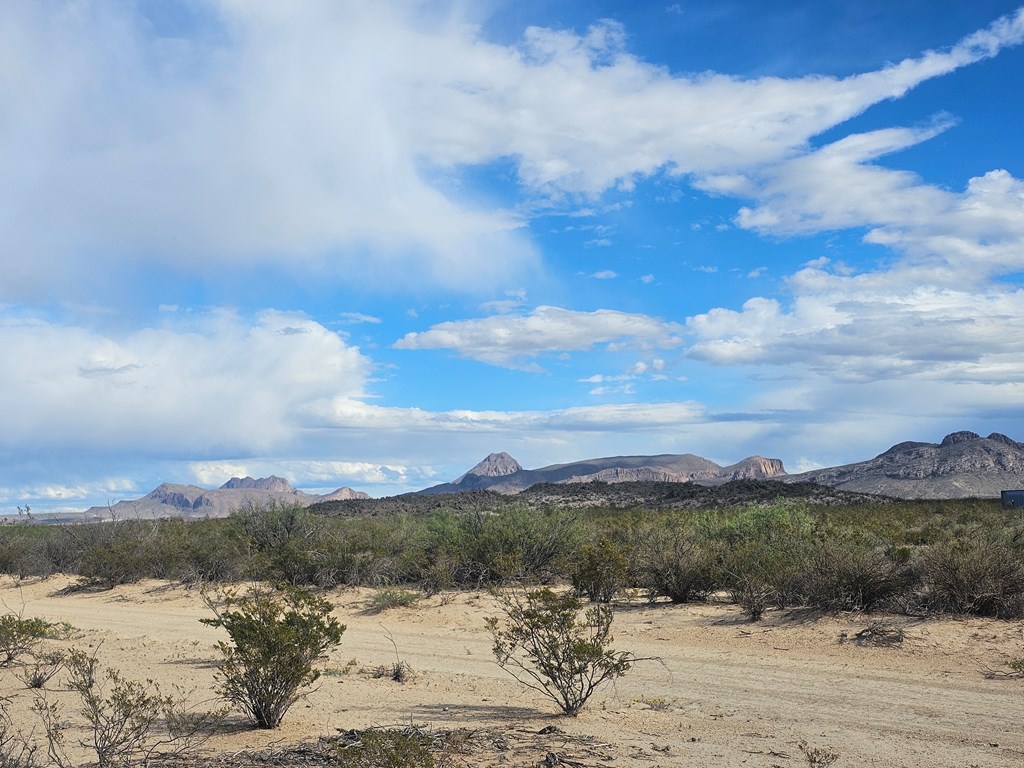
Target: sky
361,243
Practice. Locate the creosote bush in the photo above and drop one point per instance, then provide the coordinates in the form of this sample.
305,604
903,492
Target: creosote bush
19,636
981,574
678,563
129,723
276,638
550,644
601,571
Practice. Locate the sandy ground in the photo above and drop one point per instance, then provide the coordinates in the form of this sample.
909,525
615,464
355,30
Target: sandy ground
725,693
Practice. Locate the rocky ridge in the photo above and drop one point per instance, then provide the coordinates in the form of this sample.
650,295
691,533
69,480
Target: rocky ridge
962,465
500,473
176,500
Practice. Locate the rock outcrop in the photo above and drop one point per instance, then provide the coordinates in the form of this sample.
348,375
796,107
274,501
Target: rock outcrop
963,465
272,483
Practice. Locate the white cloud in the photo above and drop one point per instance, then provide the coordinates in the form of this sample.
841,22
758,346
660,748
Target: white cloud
508,340
356,318
605,274
308,135
221,384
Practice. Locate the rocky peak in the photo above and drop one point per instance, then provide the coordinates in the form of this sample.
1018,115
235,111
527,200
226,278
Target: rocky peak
495,465
1000,438
959,437
756,468
272,483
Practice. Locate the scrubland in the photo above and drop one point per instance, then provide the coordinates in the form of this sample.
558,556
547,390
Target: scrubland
778,633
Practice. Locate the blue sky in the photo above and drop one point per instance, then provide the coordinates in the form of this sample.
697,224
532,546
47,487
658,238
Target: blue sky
365,244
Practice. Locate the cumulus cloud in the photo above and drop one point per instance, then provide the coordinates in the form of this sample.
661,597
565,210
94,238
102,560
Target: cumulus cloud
509,340
308,134
222,384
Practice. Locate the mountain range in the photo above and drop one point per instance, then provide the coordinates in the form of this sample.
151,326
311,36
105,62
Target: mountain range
175,500
501,473
963,465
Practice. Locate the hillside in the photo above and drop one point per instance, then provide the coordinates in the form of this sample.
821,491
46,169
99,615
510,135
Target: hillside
500,473
963,465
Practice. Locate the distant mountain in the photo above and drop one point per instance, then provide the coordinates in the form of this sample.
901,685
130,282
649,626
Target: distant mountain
963,465
173,500
501,473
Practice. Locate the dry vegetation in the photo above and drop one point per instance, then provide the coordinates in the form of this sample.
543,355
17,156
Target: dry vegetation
789,633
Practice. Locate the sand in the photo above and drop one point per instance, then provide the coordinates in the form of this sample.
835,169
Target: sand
726,692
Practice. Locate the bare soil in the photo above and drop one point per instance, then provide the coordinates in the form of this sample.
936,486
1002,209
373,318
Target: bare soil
725,692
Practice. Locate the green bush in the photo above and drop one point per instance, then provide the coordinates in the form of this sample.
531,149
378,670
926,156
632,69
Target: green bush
849,575
764,554
391,597
549,646
677,563
285,541
19,636
276,638
981,574
600,571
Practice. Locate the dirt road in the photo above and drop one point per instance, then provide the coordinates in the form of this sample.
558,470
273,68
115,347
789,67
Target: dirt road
724,692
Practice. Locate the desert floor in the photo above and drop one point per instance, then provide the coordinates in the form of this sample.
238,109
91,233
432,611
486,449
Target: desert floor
725,692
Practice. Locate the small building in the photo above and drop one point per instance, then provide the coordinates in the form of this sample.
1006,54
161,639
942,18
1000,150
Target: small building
1012,499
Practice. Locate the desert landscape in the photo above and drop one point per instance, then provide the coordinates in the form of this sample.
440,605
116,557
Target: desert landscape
476,326
722,692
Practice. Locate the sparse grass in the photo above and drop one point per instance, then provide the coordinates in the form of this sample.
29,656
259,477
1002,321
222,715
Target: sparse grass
818,757
656,703
391,597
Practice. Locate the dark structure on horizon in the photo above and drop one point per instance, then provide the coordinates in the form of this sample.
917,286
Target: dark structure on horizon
1012,499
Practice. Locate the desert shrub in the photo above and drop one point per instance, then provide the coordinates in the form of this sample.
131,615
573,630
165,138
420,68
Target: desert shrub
366,552
285,541
846,574
677,563
16,751
128,722
549,644
818,757
600,571
23,551
981,574
764,552
276,638
44,666
118,551
384,748
200,551
517,544
121,719
391,597
19,636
